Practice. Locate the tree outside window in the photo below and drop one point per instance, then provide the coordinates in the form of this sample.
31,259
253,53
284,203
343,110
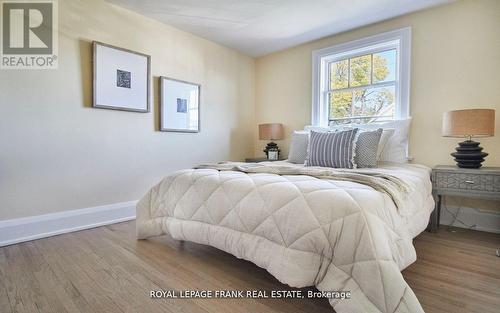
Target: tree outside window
362,88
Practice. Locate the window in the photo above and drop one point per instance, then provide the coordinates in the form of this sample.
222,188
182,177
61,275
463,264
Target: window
363,81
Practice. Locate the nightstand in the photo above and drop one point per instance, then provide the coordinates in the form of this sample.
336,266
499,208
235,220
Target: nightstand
256,160
454,181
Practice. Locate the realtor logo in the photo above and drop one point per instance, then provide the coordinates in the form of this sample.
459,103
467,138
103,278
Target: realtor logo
29,34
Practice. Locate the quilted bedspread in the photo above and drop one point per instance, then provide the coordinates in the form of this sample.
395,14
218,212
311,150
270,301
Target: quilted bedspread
338,235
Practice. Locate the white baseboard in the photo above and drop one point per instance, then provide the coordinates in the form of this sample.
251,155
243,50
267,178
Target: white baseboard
35,227
488,221
40,226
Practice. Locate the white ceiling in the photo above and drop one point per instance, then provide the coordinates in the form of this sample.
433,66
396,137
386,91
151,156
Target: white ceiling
259,27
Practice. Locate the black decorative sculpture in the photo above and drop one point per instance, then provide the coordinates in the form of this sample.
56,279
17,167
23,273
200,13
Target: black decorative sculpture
469,154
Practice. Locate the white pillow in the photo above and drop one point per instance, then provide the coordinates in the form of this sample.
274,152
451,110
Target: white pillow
396,146
298,147
331,128
309,128
386,134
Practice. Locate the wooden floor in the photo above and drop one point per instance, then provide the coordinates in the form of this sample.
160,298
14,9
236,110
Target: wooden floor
106,270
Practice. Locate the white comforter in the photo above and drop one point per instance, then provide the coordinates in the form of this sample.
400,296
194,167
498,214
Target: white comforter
336,235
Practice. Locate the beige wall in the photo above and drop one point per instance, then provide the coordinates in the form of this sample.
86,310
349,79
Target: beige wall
455,64
57,153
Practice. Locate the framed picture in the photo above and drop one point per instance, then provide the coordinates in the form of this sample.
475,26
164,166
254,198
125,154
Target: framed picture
121,79
179,106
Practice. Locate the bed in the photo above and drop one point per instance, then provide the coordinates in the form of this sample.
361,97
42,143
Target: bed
336,229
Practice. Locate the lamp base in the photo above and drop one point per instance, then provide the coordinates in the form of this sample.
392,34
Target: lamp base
469,154
272,146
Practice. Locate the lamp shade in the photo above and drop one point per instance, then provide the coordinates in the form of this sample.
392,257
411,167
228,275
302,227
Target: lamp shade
472,122
271,131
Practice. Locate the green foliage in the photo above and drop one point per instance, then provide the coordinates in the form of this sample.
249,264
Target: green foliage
361,70
340,104
339,74
380,69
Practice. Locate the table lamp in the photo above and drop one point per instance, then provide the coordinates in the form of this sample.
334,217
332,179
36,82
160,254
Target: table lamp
472,123
271,131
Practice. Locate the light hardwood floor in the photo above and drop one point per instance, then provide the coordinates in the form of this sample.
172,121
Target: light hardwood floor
106,270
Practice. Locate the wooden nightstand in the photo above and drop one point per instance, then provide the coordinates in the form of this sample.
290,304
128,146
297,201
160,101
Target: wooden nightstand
256,160
454,181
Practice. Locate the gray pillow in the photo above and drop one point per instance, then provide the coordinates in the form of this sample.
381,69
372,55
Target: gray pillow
366,148
332,149
298,147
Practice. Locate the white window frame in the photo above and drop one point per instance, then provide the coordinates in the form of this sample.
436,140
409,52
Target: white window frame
399,39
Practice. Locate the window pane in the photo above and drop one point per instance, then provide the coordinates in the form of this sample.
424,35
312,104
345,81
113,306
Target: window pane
339,74
384,66
340,104
374,101
361,69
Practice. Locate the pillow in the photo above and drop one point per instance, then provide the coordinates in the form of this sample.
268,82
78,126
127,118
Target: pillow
397,144
332,149
366,148
298,147
321,129
386,134
331,128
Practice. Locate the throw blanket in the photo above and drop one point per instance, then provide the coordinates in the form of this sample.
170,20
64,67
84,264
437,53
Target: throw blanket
390,184
338,230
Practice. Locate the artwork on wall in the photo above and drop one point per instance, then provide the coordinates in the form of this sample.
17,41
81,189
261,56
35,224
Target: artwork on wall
179,106
121,78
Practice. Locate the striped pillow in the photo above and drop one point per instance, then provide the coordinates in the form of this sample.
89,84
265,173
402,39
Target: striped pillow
332,149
